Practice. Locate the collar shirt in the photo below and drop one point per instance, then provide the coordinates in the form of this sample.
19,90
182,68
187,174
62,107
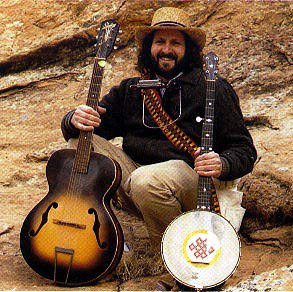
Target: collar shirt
163,89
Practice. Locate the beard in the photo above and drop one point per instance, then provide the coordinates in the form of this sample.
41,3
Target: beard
164,70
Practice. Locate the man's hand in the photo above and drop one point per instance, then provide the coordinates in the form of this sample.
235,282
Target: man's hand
86,118
208,164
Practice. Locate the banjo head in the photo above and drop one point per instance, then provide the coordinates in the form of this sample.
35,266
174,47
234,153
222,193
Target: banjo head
200,249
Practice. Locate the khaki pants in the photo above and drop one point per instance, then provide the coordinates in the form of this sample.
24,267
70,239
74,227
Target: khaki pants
159,192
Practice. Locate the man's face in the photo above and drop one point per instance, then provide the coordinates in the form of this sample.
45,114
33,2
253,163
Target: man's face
167,51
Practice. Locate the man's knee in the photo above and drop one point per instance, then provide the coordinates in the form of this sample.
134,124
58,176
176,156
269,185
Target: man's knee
160,178
171,181
171,169
141,181
162,174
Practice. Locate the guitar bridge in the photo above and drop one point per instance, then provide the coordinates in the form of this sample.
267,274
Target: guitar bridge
69,224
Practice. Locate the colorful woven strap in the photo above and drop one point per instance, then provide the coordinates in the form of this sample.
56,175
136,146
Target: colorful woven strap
173,133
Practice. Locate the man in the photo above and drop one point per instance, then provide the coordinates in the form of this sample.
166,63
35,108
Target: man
158,179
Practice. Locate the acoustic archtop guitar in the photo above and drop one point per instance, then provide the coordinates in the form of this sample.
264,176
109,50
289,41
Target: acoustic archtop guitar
200,248
72,236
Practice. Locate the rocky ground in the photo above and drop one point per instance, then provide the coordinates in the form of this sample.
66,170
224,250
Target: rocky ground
45,66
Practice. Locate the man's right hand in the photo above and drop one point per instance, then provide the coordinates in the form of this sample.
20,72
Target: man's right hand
86,118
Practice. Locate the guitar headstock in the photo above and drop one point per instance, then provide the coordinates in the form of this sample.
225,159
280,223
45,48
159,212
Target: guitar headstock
106,38
211,61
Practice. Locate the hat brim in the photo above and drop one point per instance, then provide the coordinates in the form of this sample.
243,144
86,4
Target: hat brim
196,34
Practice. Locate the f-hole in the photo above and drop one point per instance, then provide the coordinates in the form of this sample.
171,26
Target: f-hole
96,228
33,233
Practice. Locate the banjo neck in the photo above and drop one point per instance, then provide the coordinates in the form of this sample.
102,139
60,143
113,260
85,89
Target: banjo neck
204,183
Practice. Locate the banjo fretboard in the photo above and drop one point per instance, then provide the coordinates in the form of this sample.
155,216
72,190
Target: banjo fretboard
204,183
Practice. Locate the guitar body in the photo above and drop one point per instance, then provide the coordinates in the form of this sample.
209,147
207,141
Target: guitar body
72,236
201,249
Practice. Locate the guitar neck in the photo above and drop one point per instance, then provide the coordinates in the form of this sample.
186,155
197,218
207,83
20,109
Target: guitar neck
96,84
83,151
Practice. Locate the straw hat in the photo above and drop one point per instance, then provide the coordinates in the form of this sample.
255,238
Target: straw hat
175,18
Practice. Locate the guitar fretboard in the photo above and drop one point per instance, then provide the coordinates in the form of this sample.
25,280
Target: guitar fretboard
85,138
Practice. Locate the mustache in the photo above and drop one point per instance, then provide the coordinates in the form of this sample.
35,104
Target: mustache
170,56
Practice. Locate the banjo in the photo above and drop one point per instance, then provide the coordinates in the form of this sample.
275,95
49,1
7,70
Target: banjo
200,248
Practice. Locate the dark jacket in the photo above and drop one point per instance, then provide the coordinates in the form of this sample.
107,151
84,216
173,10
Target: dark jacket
147,145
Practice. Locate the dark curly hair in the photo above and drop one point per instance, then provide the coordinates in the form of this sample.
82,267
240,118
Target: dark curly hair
193,57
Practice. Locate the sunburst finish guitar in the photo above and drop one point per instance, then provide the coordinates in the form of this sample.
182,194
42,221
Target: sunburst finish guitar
200,248
72,236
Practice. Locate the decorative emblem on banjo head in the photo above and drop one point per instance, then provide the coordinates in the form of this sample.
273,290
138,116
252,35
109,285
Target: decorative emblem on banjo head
201,247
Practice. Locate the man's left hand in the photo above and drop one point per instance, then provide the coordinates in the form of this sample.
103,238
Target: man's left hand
208,164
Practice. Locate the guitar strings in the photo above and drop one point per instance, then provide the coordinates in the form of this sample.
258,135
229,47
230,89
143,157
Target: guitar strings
84,145
83,151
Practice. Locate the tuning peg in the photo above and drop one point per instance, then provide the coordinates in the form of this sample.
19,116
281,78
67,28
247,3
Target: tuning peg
120,31
118,40
199,119
115,48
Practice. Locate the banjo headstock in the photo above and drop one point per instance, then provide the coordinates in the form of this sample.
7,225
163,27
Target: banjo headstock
211,61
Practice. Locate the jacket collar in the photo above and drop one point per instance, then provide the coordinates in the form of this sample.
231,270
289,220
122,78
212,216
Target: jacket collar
192,77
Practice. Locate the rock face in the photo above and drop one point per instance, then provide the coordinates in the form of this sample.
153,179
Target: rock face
276,280
46,60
